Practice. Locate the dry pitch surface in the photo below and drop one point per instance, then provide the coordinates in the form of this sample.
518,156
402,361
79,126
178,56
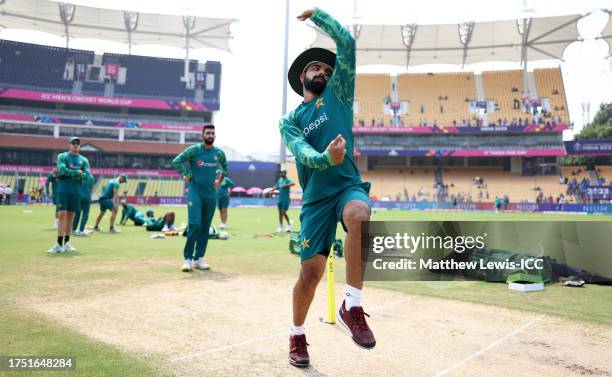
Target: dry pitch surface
223,324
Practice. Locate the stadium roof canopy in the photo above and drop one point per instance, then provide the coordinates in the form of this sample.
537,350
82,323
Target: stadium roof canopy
606,34
119,26
460,44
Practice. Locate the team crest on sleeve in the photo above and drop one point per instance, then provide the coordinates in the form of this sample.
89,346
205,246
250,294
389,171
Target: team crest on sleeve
319,104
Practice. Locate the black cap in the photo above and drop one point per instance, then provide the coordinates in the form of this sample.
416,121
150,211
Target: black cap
300,63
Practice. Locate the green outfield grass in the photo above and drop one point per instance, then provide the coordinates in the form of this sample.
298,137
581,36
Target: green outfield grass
109,262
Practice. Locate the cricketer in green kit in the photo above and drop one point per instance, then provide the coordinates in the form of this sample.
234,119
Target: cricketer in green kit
83,214
223,195
72,168
129,212
318,133
207,168
160,224
109,201
52,192
283,188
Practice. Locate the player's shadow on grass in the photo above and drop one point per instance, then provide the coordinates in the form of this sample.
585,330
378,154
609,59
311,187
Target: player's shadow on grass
210,275
311,371
70,254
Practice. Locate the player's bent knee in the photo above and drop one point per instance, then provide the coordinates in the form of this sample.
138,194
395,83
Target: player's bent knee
355,215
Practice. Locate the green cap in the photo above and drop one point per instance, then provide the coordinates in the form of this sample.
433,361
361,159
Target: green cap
74,138
149,212
124,177
283,170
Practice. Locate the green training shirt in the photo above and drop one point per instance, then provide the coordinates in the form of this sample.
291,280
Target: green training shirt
203,165
283,192
128,212
109,189
86,186
51,181
308,130
224,188
72,169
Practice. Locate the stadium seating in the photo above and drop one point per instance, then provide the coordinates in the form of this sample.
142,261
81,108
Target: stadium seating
606,173
498,86
39,66
549,84
370,92
143,71
432,91
578,172
390,182
499,183
21,64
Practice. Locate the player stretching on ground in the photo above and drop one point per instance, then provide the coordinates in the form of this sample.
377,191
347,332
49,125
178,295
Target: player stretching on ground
223,195
109,201
72,168
283,188
83,214
318,133
52,182
160,224
203,180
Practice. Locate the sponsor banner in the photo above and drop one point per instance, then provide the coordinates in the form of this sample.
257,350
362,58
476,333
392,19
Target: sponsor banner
495,251
51,120
590,147
599,192
83,99
111,70
462,153
454,129
485,206
95,171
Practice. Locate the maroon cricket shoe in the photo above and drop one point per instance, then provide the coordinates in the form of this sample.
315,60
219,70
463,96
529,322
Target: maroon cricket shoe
354,321
298,354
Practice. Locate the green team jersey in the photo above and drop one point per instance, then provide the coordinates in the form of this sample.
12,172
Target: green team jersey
203,166
86,187
72,169
283,192
109,189
51,181
128,212
224,188
308,130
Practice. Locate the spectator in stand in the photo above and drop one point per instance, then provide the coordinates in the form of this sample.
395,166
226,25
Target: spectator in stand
8,191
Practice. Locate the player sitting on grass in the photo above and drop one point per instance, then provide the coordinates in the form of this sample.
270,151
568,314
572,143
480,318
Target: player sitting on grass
160,224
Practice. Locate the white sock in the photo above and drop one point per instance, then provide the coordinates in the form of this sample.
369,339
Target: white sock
298,330
353,297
